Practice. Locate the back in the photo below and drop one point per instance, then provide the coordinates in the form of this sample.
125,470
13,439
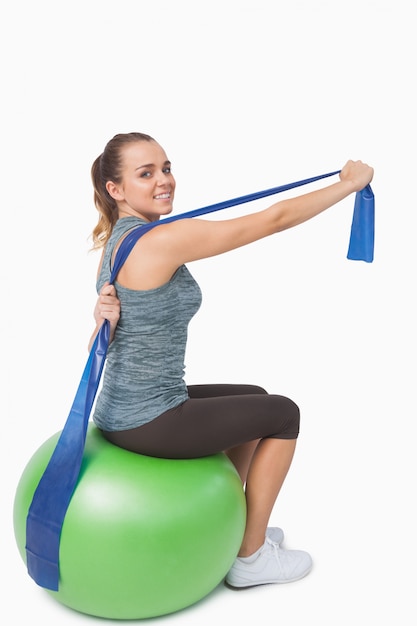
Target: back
144,372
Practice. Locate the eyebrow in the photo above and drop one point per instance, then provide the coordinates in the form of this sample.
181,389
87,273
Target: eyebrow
151,165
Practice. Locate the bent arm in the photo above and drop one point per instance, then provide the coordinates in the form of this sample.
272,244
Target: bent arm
107,307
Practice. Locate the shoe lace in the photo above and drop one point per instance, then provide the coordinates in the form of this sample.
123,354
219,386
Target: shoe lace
275,546
280,554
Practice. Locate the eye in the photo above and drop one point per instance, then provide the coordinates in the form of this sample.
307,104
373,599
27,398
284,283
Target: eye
146,174
167,169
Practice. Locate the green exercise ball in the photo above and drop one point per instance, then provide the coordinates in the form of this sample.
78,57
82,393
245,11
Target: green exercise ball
142,536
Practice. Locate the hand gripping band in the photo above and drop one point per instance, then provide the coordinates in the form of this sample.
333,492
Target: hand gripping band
56,486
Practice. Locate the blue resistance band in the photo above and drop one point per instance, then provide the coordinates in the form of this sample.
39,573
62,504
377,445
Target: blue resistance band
54,491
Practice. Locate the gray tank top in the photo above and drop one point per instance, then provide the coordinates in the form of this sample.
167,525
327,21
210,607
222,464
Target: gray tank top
144,371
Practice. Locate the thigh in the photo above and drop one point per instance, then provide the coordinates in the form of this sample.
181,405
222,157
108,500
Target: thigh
207,425
221,389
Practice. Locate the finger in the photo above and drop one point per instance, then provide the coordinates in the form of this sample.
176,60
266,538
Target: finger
108,289
109,302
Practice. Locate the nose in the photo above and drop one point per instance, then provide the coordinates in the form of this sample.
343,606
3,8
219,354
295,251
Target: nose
162,178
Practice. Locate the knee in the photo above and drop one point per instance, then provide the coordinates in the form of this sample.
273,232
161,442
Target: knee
288,418
294,415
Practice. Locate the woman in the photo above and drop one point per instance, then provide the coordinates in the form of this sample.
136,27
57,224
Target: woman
144,404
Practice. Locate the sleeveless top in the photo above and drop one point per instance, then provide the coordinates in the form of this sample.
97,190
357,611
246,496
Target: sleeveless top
144,370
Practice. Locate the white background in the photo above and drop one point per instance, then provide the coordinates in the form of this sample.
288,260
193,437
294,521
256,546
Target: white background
243,96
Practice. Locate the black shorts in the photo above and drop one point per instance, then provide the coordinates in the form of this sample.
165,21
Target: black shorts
213,419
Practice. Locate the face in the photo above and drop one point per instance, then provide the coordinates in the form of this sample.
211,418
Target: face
148,186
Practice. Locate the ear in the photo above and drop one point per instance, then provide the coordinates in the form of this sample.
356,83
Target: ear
113,191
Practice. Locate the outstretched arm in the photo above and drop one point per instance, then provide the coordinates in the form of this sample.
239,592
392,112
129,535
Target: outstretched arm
199,239
162,250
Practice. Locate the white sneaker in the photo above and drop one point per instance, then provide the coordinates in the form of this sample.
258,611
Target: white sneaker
270,564
275,534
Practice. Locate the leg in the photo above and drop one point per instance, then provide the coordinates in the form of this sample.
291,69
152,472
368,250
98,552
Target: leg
262,465
272,458
241,457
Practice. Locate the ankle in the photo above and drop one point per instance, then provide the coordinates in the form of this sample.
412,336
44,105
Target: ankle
247,550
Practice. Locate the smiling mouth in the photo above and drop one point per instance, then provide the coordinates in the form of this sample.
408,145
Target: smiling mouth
162,196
